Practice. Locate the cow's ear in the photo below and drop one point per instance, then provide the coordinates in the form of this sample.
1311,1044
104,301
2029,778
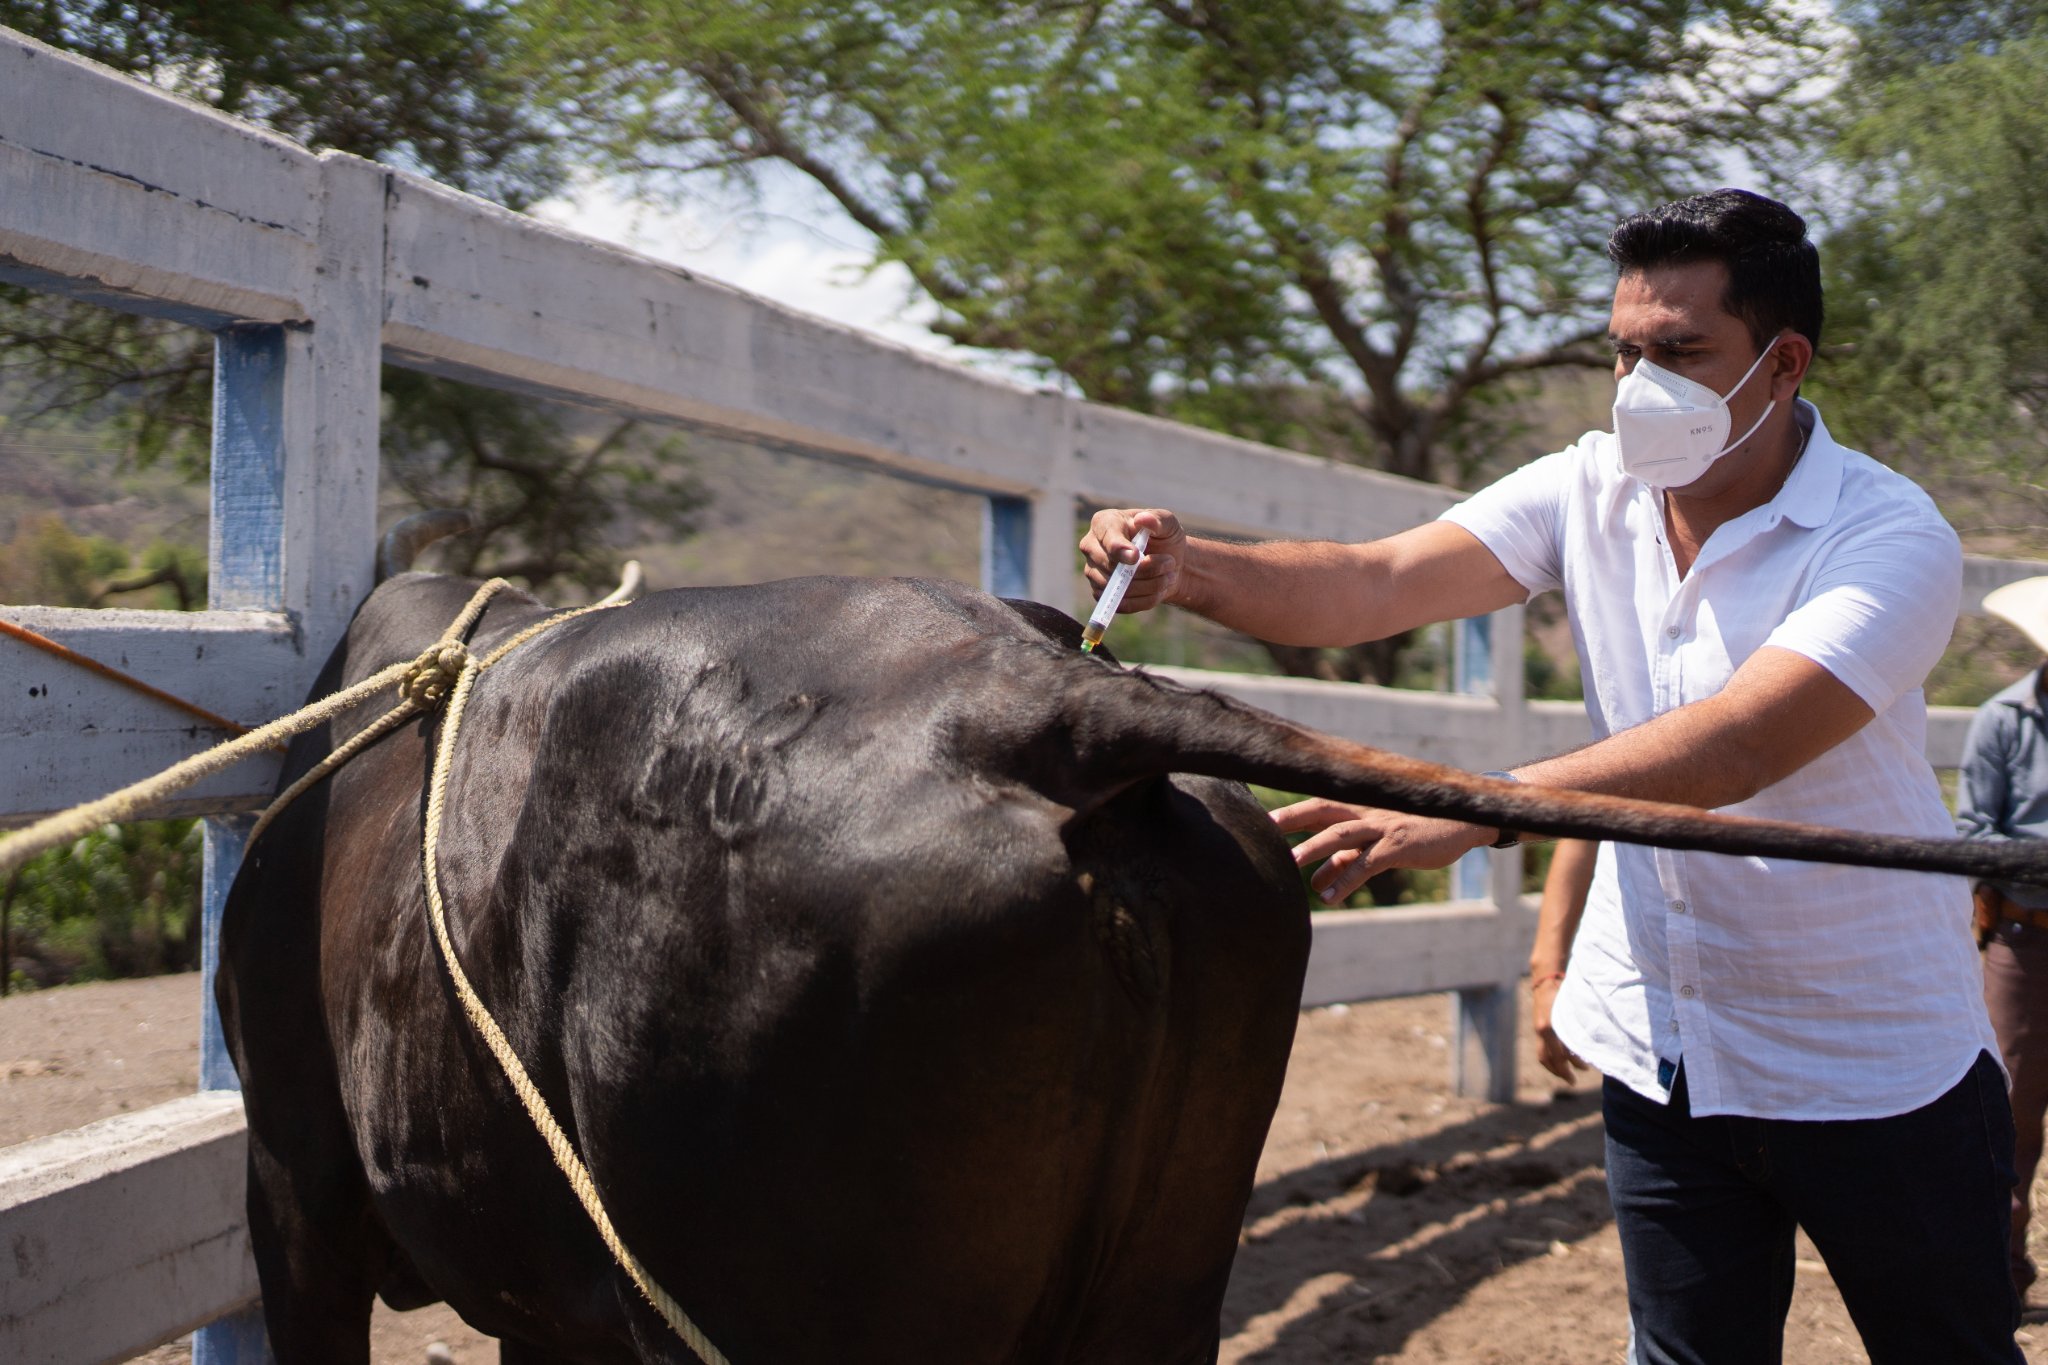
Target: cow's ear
1055,625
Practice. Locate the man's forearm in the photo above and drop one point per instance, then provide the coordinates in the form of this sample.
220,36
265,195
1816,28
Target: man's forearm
1563,905
1779,713
1288,592
1324,593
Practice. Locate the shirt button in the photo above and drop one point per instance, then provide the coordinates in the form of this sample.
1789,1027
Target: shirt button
1678,907
1687,991
1672,631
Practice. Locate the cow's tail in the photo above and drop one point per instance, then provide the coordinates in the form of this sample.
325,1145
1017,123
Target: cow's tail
404,541
1131,725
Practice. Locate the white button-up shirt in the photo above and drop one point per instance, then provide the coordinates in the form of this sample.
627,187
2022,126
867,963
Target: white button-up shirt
1792,990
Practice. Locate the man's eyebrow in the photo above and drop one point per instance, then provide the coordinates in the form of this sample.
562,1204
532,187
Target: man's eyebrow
1668,341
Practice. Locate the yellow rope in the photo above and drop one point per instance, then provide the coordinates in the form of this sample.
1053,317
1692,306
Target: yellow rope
422,685
131,801
444,671
515,1072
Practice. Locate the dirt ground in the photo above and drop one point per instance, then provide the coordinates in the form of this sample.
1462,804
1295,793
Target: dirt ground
1393,1222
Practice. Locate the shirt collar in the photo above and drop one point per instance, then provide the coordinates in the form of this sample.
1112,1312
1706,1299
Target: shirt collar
2025,695
1815,483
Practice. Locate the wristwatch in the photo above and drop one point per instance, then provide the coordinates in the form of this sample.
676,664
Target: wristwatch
1508,837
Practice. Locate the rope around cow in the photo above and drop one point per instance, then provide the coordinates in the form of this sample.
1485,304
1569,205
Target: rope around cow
445,671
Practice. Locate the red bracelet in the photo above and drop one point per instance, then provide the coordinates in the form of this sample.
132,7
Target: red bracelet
1545,979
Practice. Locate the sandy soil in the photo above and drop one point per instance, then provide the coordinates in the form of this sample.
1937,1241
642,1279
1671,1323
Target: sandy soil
1393,1222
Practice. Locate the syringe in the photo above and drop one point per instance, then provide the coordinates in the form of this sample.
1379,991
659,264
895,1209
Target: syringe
1112,594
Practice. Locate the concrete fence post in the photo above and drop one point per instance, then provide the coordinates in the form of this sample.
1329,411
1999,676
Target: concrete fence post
294,523
1486,1023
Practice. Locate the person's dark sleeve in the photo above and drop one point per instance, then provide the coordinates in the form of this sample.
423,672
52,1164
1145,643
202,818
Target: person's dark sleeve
1984,793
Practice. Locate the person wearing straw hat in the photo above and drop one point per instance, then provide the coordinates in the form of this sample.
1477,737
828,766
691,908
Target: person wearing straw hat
2004,795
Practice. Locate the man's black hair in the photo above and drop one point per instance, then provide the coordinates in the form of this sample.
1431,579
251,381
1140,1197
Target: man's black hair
1773,270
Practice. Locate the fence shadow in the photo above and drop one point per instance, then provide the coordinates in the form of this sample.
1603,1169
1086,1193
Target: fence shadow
1349,1257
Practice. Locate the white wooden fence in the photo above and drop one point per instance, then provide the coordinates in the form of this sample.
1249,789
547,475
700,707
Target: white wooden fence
314,270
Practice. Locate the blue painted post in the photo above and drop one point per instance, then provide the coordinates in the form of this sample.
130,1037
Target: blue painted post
1472,674
1006,546
247,541
247,558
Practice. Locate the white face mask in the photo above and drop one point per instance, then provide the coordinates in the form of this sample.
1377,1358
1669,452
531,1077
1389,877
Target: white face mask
1671,428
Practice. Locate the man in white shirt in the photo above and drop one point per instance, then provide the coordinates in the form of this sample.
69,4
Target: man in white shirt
1755,607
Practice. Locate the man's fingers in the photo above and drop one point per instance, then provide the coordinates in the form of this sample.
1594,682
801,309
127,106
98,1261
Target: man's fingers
1556,1058
1153,583
1346,871
1109,543
1351,836
1316,812
1111,533
1162,525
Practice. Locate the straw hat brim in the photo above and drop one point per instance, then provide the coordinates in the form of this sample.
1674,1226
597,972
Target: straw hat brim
2024,605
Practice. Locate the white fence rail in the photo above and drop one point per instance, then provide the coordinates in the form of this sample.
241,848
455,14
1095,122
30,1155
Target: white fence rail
124,1233
313,271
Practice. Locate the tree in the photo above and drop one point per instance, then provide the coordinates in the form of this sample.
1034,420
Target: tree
1351,228
422,84
1941,275
1193,208
1904,37
549,488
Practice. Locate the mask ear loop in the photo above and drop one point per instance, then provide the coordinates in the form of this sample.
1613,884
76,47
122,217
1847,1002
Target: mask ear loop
1738,389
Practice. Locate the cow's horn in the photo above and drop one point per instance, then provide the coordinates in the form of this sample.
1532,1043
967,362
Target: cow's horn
632,582
403,542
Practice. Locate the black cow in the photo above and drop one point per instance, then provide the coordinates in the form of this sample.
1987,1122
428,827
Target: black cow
906,996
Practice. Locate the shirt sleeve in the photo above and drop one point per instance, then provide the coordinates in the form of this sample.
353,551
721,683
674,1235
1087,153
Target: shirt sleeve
1521,518
1882,605
1984,788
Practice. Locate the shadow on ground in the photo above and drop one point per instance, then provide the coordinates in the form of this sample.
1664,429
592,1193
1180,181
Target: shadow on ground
1351,1256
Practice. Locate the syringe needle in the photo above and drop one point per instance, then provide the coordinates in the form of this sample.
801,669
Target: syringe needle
1112,594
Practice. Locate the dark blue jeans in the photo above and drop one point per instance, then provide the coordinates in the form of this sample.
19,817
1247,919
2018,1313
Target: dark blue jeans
1908,1211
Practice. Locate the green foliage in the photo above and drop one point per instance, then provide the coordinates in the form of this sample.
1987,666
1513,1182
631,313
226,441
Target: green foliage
1342,224
422,84
145,381
1903,37
122,901
1544,678
1940,288
551,495
1985,656
1182,639
46,563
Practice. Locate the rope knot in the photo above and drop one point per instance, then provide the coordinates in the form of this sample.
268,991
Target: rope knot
433,675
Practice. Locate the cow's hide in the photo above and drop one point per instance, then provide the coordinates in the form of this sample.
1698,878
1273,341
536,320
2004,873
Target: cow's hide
891,1025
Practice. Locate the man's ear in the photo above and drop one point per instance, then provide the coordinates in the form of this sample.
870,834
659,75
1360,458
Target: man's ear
1790,360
